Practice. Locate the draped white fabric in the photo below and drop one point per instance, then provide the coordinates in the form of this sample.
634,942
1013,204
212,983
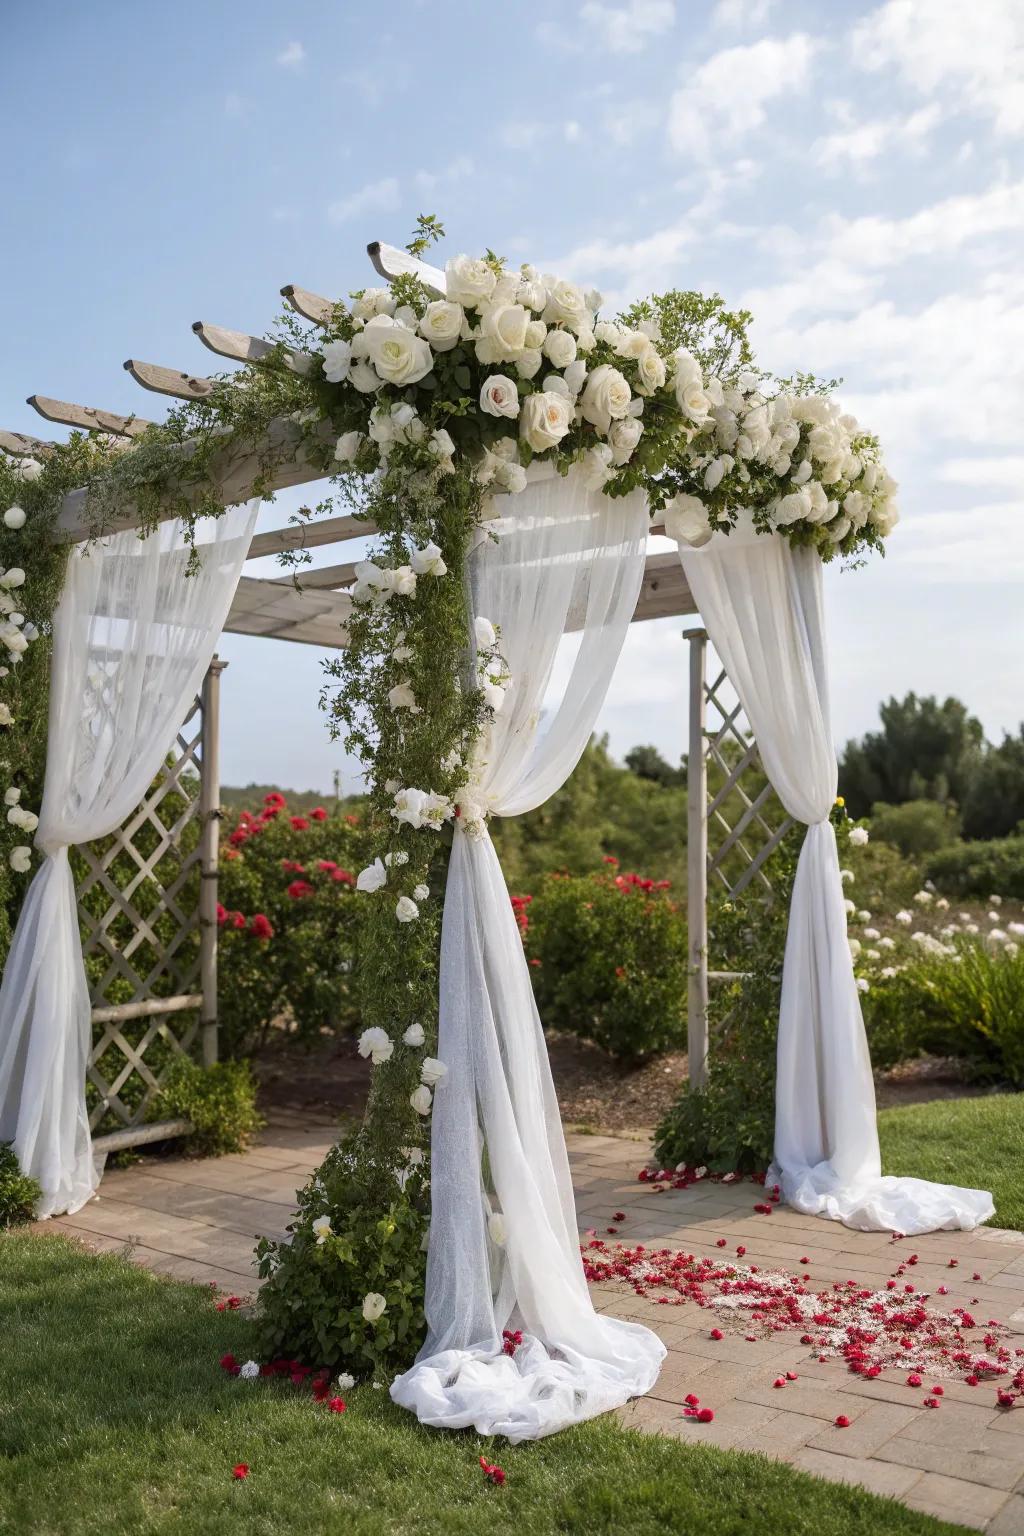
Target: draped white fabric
568,559
761,602
132,637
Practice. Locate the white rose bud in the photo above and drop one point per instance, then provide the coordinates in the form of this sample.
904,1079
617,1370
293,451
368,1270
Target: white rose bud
686,521
432,1071
14,517
374,1306
441,324
337,361
499,396
414,1035
623,437
406,910
469,282
421,1099
560,347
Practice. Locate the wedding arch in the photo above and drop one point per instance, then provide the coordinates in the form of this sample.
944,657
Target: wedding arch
511,451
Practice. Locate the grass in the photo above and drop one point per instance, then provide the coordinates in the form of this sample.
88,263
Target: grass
974,1142
115,1418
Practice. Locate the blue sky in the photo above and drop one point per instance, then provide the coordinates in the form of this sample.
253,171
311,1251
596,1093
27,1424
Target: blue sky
851,172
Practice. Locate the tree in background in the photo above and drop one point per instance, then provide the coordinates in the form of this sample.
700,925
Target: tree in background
648,763
993,805
924,751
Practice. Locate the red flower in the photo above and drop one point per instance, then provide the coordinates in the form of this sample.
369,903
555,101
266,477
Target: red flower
299,888
260,926
1005,1399
240,1471
318,813
780,1381
326,865
740,1251
720,1243
705,1415
913,1380
618,1216
716,1333
931,1402
222,914
336,1404
492,1472
353,821
299,823
842,1422
228,1362
610,858
274,799
692,1399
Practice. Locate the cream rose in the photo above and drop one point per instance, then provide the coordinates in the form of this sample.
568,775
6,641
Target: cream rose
441,324
468,281
499,396
650,366
504,326
398,355
606,397
686,521
623,437
544,420
566,305
560,347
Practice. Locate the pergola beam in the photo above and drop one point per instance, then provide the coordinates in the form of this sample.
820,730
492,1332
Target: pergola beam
87,417
307,535
251,349
20,446
309,305
169,381
390,262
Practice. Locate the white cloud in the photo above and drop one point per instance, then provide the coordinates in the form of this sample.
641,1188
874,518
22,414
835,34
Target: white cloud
628,28
939,229
726,97
378,197
975,544
572,130
456,170
741,14
858,144
973,54
521,135
641,266
1006,471
291,56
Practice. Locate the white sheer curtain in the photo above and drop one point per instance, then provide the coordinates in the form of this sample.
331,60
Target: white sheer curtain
761,602
569,559
132,638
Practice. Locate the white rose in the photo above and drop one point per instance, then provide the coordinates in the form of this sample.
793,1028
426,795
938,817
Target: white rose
441,324
421,892
399,582
374,301
536,334
322,1228
12,796
428,561
544,420
414,1035
686,521
468,281
496,1229
442,446
859,836
20,860
432,1071
556,385
6,718
406,910
421,1099
560,347
499,396
586,341
651,368
574,377
337,361
715,472
15,577
372,877
345,1382
377,1044
596,466
692,400
512,478
528,363
348,446
566,305
28,469
410,807
364,378
398,355
249,1371
504,326
401,696
374,1306
623,437
606,397
14,517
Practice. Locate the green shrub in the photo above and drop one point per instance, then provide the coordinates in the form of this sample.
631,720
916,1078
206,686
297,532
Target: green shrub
311,1302
289,920
915,827
608,959
979,869
219,1100
18,1192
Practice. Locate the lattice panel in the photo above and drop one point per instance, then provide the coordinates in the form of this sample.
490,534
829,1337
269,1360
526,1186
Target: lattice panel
746,822
138,904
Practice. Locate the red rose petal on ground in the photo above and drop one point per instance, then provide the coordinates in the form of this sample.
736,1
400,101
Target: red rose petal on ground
692,1399
336,1404
913,1380
931,1402
240,1471
716,1333
780,1381
792,1376
720,1243
740,1251
705,1416
619,1216
842,1422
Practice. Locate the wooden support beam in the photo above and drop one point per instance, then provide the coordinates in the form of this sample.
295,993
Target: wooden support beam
233,474
168,381
390,262
279,612
309,535
309,305
20,446
251,349
87,417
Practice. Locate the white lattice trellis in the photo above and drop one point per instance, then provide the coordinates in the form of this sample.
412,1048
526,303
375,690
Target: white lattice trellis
748,827
147,908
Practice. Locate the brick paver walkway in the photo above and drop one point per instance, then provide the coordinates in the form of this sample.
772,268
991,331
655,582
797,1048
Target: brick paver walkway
965,1462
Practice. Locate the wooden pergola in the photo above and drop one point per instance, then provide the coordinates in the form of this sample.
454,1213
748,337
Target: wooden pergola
311,607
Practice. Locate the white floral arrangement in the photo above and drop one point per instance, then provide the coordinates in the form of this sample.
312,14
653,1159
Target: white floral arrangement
16,635
514,366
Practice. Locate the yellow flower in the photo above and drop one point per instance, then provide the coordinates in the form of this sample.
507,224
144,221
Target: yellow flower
840,800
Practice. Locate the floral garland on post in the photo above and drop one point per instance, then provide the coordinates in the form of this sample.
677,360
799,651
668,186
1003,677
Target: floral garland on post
424,408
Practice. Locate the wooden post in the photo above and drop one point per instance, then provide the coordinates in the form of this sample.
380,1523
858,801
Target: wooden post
209,818
697,866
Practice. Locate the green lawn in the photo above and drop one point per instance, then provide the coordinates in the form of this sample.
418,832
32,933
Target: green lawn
974,1142
115,1418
